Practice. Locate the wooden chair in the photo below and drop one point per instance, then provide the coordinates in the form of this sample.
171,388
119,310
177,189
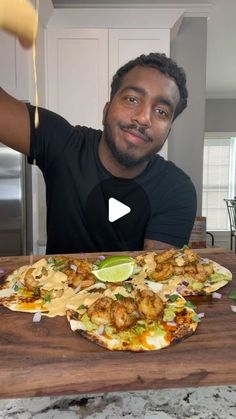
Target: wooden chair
198,236
231,207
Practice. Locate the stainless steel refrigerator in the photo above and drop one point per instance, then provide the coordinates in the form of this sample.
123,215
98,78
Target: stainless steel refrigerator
15,203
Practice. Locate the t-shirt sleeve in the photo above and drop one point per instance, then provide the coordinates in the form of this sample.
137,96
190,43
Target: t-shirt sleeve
173,221
48,140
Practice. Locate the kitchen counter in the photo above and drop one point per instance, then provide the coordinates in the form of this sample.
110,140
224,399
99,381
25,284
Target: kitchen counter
48,359
188,403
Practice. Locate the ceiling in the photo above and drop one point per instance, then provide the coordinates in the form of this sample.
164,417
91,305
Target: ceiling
221,38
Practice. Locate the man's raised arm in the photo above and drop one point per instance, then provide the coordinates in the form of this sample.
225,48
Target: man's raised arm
14,123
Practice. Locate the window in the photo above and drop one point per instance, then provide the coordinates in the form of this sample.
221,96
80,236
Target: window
219,161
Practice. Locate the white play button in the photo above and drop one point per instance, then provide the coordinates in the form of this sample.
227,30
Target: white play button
116,209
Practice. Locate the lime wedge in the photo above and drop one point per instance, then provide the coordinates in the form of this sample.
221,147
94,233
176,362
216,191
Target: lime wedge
115,260
115,273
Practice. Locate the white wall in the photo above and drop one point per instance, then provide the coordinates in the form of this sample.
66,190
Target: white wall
220,115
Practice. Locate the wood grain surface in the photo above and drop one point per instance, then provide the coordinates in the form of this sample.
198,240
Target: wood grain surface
47,358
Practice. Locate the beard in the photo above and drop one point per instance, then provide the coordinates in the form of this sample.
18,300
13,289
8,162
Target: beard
127,158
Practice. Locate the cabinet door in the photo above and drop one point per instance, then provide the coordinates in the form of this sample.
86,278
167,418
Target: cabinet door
77,85
126,44
14,74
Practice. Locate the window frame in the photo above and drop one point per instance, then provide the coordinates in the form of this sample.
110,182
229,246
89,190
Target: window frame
224,135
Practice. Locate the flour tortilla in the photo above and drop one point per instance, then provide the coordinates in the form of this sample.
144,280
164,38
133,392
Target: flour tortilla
185,284
208,287
17,297
145,335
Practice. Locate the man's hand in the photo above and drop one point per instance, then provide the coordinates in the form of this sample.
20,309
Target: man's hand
25,43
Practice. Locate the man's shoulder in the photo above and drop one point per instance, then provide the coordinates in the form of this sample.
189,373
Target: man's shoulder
87,133
168,168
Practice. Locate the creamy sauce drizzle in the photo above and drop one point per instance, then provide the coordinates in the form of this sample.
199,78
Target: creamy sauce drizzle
36,115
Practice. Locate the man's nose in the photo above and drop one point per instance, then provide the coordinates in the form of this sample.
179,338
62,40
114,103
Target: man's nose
142,116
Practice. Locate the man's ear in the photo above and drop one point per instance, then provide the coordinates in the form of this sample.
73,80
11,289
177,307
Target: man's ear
169,132
105,109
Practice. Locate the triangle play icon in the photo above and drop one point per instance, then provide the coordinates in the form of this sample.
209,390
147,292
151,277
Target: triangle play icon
116,209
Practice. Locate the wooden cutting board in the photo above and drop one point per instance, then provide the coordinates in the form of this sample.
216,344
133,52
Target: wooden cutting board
47,358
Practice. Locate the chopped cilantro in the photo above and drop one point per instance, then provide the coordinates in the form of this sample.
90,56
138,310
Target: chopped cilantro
128,287
189,305
196,319
16,288
173,297
122,297
119,296
47,298
81,307
232,295
37,292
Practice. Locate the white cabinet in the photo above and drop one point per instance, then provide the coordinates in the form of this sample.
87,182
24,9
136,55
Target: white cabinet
81,66
15,67
126,44
77,79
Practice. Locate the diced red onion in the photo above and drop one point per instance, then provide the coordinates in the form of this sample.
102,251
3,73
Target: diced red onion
77,289
96,285
216,295
185,283
101,257
101,329
180,288
37,317
2,271
233,308
201,315
205,261
171,323
73,267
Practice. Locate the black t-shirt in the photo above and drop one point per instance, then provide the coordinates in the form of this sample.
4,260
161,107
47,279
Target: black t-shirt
78,188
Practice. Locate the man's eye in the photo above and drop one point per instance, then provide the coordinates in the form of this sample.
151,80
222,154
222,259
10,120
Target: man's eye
131,99
161,112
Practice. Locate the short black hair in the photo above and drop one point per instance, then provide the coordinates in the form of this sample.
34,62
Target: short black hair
162,63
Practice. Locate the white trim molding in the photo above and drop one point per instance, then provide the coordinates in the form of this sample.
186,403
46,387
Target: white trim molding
161,18
190,9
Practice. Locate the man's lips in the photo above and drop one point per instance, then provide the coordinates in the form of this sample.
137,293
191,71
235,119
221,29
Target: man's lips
135,135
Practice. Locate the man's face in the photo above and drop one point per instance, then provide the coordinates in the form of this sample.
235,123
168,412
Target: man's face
138,119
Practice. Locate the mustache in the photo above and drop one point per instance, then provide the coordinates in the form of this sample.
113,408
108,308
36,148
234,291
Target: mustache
140,131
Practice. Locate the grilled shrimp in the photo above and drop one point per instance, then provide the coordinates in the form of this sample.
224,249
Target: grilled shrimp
82,265
164,256
30,281
178,270
100,311
150,305
203,272
84,280
163,271
124,313
190,269
190,256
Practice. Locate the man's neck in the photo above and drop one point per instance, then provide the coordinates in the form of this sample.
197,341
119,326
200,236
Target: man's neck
113,166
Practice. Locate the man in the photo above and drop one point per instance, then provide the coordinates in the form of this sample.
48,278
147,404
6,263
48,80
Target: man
84,168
